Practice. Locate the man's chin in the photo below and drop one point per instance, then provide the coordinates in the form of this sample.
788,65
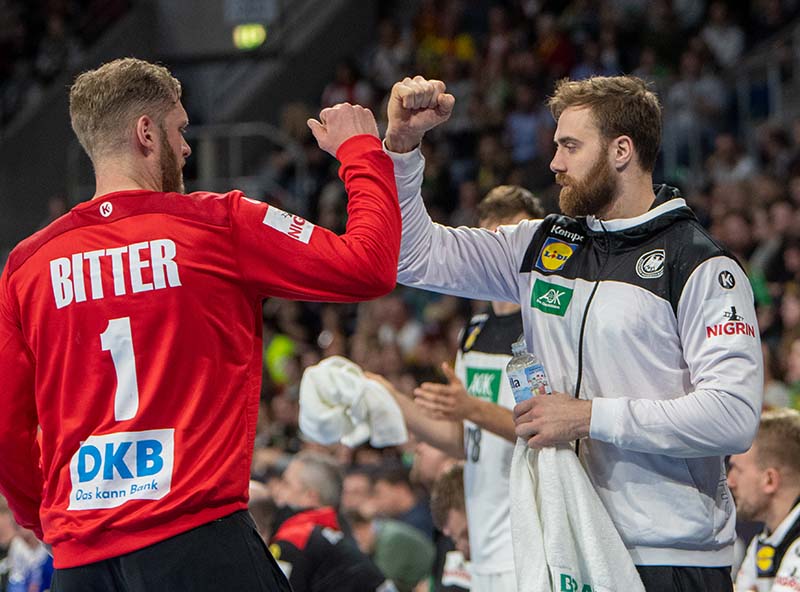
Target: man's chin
565,202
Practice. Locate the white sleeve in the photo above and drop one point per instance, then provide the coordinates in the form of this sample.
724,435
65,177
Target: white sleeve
746,576
468,262
721,346
788,577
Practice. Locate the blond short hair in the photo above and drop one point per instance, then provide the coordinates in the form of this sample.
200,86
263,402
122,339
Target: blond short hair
778,440
504,202
621,106
105,103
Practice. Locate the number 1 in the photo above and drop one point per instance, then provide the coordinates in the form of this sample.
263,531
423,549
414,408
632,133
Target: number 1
117,339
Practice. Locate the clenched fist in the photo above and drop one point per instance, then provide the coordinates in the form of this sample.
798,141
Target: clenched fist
415,106
340,123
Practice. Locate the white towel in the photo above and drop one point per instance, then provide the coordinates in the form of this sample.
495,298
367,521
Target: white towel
339,404
563,538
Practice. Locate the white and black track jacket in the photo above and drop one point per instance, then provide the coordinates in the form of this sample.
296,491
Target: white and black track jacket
650,319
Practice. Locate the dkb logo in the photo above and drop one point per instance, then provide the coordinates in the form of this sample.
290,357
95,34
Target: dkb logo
108,470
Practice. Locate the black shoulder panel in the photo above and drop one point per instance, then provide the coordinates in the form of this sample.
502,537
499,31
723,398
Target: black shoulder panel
659,256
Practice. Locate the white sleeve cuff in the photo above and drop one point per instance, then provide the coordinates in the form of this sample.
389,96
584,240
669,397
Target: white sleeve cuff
406,164
606,418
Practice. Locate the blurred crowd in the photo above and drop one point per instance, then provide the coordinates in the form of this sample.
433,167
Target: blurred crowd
40,39
500,59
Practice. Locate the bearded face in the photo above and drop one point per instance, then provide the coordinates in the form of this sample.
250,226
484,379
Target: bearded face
171,171
592,194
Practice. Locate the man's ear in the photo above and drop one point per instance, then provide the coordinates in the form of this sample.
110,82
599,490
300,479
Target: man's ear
772,480
146,134
622,151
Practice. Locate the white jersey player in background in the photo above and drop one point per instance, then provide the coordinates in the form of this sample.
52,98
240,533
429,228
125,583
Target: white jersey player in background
470,417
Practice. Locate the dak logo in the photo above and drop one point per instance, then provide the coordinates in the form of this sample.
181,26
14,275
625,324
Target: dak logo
725,279
651,265
554,254
550,298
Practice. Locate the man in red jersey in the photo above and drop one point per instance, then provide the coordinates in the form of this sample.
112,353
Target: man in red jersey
130,342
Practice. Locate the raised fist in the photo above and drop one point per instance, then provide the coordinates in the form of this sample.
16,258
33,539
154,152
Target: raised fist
415,106
340,123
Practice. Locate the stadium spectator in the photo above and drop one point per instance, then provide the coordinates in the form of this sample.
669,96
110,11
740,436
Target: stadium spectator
448,509
450,573
728,163
348,86
394,497
401,552
308,539
723,37
695,105
357,490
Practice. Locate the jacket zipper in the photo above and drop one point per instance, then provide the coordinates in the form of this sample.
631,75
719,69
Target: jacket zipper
583,322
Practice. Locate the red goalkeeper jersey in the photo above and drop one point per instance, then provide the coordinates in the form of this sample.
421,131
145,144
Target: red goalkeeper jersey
130,333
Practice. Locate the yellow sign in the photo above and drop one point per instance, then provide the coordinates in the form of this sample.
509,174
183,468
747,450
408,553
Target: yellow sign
764,557
554,255
249,36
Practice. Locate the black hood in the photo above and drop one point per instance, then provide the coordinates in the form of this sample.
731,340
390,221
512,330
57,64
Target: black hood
636,235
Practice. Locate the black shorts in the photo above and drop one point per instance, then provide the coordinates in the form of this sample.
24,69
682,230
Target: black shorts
225,555
664,578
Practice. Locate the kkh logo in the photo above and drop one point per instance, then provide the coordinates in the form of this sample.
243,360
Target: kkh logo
550,298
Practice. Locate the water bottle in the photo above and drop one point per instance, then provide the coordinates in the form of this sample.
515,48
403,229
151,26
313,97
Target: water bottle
526,373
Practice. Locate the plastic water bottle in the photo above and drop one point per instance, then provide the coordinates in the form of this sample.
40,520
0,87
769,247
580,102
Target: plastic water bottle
526,373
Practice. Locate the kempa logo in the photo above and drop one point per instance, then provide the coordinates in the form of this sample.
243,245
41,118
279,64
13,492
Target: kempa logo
561,231
484,383
726,279
550,298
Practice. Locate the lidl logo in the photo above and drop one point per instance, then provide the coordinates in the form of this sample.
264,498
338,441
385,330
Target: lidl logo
484,383
554,254
550,298
764,558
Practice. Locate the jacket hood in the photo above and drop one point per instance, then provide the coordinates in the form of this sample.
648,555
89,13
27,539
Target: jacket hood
667,209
